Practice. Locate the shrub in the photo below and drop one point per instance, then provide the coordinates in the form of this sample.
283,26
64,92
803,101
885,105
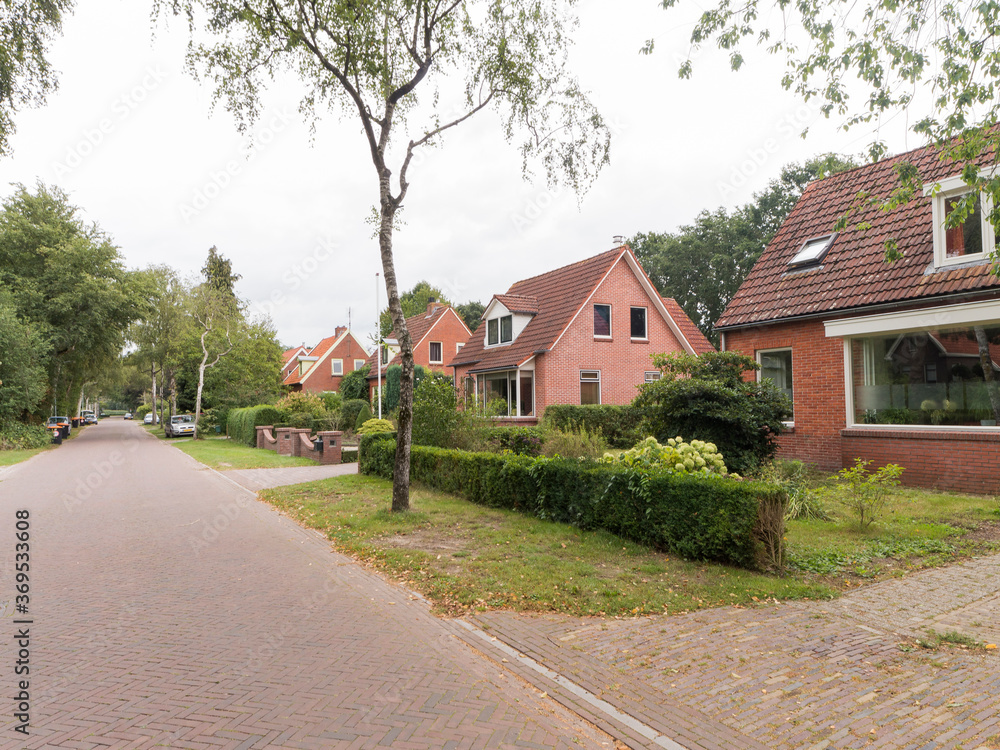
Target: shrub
302,402
393,377
705,397
521,441
372,426
354,385
676,457
332,401
363,416
575,443
19,436
349,413
435,411
698,516
621,426
241,424
142,411
864,493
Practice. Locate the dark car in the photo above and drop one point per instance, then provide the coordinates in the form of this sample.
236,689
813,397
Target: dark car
128,415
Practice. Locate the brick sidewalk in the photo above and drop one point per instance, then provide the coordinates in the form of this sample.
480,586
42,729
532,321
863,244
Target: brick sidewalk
171,609
818,675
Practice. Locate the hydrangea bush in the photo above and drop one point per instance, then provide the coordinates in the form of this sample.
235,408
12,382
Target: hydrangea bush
676,457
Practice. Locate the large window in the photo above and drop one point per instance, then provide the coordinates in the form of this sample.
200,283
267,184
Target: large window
509,392
602,320
776,366
435,353
638,316
943,377
338,367
590,386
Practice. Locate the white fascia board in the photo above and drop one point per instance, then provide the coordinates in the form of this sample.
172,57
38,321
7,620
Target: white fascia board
986,312
494,303
326,355
586,301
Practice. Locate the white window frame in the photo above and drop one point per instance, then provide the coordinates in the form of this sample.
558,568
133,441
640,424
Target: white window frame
646,320
501,341
334,367
458,347
940,193
600,390
758,356
359,363
430,352
651,376
611,321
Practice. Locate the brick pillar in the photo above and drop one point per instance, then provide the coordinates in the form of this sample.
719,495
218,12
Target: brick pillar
285,444
331,447
262,441
298,450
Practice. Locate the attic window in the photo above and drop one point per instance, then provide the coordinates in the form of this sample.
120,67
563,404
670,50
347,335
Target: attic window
813,250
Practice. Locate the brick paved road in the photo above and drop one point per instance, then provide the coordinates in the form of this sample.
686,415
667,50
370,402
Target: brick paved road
172,610
798,675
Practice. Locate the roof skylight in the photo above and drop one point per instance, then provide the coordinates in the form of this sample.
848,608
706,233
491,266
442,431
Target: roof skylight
813,250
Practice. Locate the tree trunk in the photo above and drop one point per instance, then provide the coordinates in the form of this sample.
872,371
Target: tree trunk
986,362
201,382
404,422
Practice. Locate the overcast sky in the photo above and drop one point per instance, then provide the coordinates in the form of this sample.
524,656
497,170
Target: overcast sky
132,138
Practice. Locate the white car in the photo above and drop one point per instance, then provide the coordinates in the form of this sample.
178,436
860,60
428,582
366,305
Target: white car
148,419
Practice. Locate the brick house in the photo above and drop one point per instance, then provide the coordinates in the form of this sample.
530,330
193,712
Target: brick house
581,334
888,362
290,359
322,368
437,334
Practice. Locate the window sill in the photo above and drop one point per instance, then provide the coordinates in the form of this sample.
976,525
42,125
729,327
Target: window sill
604,338
639,341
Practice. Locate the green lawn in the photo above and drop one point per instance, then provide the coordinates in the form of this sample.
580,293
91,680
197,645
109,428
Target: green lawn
222,454
8,458
465,557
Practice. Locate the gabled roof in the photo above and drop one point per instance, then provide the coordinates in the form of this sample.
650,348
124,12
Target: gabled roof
853,274
419,326
518,303
289,354
560,296
691,332
320,352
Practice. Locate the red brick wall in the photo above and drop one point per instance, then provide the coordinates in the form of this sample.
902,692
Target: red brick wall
321,378
958,462
817,387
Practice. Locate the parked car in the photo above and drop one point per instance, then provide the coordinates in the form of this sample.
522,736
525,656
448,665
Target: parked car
148,419
179,424
128,415
89,417
60,427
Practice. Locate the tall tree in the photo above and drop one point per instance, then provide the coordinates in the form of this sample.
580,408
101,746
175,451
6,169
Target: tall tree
703,264
371,59
26,28
938,64
23,359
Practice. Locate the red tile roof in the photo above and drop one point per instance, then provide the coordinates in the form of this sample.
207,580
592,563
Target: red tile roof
518,303
318,351
418,326
853,273
691,332
562,292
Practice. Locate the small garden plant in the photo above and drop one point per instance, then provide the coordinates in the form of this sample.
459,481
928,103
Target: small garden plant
864,493
371,426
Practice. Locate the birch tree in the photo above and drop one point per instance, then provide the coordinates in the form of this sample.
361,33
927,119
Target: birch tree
370,60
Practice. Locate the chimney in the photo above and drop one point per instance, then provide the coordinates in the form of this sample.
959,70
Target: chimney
432,305
339,331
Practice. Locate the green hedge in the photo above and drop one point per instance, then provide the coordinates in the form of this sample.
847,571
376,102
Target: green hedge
621,426
241,424
19,436
701,518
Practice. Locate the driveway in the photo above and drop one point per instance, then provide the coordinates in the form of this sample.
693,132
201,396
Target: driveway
169,608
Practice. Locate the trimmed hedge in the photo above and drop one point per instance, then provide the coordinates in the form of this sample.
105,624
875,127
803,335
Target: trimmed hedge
241,424
19,436
621,426
701,518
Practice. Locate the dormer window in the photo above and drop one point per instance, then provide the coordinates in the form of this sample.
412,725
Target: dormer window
812,251
968,241
500,330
